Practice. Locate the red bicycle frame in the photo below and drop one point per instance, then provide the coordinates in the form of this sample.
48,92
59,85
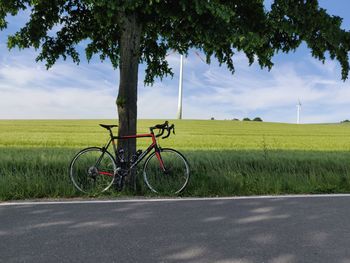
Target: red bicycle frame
154,146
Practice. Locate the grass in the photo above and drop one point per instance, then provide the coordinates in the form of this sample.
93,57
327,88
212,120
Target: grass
226,157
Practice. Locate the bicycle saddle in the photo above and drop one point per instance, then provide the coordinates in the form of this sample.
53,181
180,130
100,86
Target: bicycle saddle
108,126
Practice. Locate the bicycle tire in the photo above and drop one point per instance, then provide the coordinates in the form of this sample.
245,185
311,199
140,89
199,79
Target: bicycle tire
88,176
176,175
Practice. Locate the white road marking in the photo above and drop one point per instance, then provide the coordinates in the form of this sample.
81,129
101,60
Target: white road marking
145,200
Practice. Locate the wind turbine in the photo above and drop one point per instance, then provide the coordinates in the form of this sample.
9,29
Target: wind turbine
298,111
179,105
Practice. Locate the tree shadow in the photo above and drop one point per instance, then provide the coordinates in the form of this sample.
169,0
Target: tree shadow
241,230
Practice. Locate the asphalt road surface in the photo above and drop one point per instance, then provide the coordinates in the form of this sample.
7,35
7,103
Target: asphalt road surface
276,230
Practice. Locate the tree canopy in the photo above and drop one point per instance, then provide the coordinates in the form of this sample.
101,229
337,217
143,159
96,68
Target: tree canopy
219,28
130,32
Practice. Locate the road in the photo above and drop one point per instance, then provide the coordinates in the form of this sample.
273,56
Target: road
276,230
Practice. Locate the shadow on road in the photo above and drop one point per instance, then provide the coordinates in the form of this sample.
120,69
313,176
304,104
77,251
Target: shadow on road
255,230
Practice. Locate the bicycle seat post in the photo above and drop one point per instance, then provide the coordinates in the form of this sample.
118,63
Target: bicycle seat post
112,140
110,133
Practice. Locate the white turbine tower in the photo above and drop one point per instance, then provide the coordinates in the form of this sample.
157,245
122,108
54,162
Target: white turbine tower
298,111
179,105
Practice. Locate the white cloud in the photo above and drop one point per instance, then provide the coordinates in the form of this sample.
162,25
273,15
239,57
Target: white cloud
56,103
28,90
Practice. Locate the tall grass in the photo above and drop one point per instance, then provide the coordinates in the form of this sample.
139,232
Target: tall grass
226,157
35,173
43,173
225,173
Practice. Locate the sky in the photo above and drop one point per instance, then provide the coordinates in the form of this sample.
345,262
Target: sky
88,91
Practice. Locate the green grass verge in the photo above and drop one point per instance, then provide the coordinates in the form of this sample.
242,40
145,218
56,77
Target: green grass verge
43,173
226,157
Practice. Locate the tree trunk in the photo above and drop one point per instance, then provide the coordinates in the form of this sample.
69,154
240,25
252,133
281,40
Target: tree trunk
127,96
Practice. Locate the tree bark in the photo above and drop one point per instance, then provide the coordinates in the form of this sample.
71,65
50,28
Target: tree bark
127,96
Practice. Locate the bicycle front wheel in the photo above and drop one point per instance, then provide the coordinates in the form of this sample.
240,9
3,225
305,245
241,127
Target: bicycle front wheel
167,173
92,170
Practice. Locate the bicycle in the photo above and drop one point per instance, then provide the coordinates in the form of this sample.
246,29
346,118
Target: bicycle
165,170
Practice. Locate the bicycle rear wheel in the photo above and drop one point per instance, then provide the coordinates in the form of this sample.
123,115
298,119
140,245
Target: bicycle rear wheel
170,179
92,170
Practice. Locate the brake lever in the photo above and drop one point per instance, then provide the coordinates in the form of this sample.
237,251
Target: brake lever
161,128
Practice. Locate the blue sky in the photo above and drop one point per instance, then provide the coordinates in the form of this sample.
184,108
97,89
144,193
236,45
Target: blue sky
67,91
